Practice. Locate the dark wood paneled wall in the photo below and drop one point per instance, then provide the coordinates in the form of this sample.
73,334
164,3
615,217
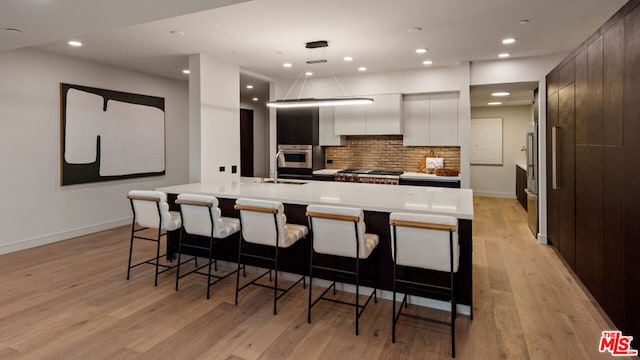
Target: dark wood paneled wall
593,97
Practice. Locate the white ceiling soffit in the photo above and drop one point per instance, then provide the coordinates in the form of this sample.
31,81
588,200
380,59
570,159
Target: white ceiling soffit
42,21
520,93
261,35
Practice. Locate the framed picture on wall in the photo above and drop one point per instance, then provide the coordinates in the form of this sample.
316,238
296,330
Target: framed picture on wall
486,141
109,135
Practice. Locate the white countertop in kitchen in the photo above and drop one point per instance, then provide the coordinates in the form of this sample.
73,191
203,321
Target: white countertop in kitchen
372,197
424,176
326,171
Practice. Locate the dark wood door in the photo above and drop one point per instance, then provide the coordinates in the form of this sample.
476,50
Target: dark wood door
246,142
566,173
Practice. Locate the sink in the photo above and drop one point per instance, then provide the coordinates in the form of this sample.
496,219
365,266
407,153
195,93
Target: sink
289,182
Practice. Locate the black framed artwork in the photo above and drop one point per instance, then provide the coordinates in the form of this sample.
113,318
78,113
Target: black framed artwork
109,135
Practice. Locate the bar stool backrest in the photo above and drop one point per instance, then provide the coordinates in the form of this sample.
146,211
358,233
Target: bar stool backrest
196,218
148,205
338,235
257,220
422,241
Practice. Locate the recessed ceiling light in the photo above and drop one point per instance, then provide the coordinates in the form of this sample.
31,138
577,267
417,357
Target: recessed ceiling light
176,33
308,73
421,51
523,22
427,62
249,86
348,58
75,43
415,29
504,55
186,71
508,41
493,103
501,93
287,65
255,99
362,68
13,30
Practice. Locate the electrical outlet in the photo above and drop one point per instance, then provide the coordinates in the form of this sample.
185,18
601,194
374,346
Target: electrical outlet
221,168
329,161
234,169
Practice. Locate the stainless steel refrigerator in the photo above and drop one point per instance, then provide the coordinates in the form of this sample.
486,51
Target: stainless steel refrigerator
532,169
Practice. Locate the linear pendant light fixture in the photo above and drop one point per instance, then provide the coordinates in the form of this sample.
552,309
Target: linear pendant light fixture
313,102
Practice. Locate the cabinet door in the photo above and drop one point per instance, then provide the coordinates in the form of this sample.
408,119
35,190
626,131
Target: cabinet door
384,116
443,119
350,120
553,231
328,136
566,174
415,112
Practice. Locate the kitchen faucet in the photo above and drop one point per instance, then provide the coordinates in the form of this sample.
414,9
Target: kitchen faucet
275,171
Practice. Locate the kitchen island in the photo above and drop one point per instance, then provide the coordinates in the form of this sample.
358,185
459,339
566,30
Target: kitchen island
377,201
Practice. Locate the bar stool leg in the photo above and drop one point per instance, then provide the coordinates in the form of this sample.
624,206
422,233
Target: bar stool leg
133,225
238,273
209,275
275,286
357,296
179,257
310,287
393,314
158,255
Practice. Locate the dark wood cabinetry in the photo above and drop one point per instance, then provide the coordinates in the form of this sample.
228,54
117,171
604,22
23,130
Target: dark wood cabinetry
434,183
521,184
298,126
593,209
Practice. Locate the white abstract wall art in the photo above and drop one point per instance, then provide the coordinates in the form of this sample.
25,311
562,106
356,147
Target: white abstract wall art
109,135
486,141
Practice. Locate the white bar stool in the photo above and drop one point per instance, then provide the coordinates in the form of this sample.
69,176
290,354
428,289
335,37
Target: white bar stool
151,211
264,223
427,242
201,216
340,231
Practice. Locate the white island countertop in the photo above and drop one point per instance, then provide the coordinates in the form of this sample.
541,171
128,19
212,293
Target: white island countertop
371,197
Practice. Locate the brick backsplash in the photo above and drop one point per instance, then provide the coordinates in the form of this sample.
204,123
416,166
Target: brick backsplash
385,152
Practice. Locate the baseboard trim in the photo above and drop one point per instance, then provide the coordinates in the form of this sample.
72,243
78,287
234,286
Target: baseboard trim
59,236
494,194
543,239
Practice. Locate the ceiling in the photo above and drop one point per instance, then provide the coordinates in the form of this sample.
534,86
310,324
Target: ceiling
260,35
521,93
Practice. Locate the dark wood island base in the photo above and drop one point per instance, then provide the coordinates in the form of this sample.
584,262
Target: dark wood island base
378,269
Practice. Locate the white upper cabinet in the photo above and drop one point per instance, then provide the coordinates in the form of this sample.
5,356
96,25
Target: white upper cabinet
327,135
350,120
383,117
416,120
443,119
431,119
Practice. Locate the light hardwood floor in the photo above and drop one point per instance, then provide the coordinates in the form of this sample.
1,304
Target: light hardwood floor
70,300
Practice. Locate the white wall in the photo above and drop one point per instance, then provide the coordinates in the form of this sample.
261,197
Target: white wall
260,138
500,181
217,99
36,209
437,79
513,70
